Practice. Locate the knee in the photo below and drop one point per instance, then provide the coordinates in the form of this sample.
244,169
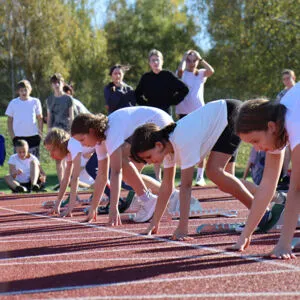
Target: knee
213,173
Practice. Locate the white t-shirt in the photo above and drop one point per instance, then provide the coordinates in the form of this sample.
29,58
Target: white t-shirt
196,134
24,165
24,115
74,147
123,122
194,99
291,100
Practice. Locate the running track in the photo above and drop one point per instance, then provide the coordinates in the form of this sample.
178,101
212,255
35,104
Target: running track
61,258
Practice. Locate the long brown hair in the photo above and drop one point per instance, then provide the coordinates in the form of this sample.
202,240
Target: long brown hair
83,122
254,115
145,137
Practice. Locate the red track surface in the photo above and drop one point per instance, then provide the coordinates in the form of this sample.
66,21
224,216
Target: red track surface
44,257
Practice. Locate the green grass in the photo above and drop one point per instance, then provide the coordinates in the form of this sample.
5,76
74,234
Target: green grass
49,165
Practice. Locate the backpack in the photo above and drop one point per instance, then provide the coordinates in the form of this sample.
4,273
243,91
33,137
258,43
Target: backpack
2,150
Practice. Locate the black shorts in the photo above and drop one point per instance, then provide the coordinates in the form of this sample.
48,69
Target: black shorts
228,141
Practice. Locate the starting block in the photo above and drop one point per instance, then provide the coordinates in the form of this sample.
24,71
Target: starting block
208,213
296,243
218,227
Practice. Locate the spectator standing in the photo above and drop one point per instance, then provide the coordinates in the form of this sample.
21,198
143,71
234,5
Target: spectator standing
117,93
60,114
194,78
79,108
25,120
159,88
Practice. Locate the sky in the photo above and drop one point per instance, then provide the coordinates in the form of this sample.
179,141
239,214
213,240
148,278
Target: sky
100,6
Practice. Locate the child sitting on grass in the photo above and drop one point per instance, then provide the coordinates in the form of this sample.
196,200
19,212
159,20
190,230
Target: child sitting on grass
25,173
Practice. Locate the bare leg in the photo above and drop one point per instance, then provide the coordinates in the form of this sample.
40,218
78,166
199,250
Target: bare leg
34,172
11,182
215,171
60,170
230,168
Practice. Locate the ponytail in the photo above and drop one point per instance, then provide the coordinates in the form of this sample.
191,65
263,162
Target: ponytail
145,137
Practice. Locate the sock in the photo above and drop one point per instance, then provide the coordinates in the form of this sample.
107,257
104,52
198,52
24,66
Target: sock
200,173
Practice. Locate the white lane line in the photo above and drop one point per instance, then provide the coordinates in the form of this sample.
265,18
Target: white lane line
93,260
82,252
123,250
92,238
187,296
163,280
136,227
210,249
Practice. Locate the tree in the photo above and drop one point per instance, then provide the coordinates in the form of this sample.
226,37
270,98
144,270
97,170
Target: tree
252,42
38,40
132,31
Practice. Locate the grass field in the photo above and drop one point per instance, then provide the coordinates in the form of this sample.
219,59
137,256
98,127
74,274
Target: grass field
49,165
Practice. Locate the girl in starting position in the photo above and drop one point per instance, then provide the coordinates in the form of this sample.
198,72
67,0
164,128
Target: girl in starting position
187,142
111,138
269,127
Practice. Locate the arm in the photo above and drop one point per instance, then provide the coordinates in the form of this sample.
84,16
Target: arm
71,115
40,124
166,188
115,184
262,197
63,187
291,212
185,199
247,169
74,184
140,99
182,64
13,172
209,70
10,127
100,183
179,89
48,120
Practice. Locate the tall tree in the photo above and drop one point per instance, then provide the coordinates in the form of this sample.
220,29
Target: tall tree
252,42
39,39
132,31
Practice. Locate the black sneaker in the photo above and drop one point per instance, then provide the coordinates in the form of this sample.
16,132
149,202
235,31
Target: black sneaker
35,188
56,187
21,189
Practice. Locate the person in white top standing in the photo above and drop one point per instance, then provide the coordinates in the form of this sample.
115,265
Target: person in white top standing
25,120
194,78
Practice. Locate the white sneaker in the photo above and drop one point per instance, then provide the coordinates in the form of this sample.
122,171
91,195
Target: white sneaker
200,181
135,204
146,210
173,202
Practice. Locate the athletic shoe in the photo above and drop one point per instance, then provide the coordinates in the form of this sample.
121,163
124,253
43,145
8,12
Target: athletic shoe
67,200
21,189
261,225
56,187
48,204
35,188
200,181
135,205
146,210
280,198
